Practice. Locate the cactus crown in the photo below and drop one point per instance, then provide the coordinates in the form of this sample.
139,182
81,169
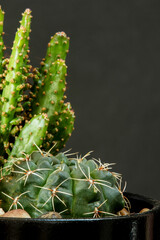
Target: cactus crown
35,115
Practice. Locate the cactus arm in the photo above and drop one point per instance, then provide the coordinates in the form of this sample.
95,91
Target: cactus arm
32,133
1,51
51,93
13,79
60,130
1,67
14,131
17,121
65,126
50,100
1,43
58,48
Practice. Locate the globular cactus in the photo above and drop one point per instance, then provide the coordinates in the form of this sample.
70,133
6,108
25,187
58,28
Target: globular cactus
33,108
73,187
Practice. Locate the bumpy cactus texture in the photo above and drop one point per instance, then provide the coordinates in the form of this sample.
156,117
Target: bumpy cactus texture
73,187
33,107
35,123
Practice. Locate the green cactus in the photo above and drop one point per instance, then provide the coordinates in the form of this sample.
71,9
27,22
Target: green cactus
61,129
15,80
58,48
1,53
31,93
32,134
1,43
50,95
34,115
73,187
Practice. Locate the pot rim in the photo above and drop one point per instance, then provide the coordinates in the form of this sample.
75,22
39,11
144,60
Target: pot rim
154,202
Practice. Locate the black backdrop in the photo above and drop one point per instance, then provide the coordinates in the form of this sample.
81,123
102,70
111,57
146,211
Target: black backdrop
113,78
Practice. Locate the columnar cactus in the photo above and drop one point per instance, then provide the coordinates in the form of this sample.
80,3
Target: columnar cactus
15,78
33,107
35,124
1,43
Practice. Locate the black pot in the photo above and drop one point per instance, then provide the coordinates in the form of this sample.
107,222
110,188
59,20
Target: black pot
145,226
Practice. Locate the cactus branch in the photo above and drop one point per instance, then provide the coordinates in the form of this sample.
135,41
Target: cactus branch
1,43
13,79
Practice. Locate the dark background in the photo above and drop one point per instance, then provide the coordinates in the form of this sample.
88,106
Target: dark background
113,78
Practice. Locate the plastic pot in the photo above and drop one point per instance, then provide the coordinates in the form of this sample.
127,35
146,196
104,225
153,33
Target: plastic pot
144,226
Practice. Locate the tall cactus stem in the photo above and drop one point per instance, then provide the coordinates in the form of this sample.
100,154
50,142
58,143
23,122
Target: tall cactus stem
1,42
14,79
31,136
49,97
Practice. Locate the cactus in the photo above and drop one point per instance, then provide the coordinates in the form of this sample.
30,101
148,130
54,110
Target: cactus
1,43
33,98
15,78
74,187
35,124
